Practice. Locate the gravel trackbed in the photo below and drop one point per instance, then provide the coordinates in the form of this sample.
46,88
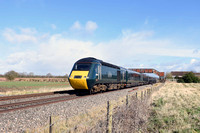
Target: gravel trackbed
21,120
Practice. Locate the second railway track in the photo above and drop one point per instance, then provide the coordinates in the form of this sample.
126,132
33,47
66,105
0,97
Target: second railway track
33,103
5,98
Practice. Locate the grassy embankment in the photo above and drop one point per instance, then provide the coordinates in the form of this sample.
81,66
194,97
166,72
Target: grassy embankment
25,87
176,108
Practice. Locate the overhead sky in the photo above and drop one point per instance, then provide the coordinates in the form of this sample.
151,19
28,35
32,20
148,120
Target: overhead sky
48,36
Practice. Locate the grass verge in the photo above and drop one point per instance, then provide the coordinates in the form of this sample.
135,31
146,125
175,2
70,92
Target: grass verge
176,108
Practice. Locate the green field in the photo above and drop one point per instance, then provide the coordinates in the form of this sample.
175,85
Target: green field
24,84
24,87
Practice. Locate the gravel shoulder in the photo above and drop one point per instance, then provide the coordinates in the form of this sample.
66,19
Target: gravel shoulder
21,120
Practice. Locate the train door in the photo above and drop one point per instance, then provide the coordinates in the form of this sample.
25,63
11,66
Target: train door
118,76
126,76
123,75
99,72
141,77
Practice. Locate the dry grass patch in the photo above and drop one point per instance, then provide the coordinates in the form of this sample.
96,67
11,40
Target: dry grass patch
75,124
176,108
82,122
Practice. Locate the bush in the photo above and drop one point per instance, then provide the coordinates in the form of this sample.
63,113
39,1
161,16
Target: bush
11,75
180,80
188,78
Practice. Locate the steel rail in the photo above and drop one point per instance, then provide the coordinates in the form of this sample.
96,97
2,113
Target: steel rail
5,98
33,101
36,103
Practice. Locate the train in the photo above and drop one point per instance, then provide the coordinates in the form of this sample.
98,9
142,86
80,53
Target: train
93,75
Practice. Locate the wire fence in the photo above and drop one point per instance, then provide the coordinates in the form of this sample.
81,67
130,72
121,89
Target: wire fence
127,114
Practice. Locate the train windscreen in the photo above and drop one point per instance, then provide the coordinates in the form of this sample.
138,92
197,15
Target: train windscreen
82,66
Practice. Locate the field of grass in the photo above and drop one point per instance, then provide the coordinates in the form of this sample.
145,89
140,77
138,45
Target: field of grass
26,87
176,108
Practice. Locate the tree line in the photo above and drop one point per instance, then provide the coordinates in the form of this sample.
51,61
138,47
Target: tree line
11,75
187,78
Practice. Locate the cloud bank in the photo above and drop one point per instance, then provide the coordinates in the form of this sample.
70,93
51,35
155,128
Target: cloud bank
57,53
25,35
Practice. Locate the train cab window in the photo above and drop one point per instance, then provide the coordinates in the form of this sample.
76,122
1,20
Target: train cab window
82,66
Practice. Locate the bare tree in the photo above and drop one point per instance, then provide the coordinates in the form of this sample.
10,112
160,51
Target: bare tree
11,75
169,75
31,74
49,75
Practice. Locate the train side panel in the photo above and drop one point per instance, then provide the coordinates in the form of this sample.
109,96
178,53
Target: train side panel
108,75
133,78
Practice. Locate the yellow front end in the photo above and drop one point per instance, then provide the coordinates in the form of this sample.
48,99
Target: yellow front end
78,80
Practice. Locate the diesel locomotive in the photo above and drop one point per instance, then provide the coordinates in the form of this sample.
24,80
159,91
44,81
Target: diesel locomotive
94,75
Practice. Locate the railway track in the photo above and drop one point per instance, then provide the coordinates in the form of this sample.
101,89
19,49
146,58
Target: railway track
8,107
34,103
5,98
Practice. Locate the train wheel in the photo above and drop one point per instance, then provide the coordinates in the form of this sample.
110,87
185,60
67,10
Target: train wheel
118,86
91,92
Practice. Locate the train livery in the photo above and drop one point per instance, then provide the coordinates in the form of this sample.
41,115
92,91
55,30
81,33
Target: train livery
93,75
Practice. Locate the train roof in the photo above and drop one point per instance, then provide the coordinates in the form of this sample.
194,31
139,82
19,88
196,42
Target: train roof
94,60
131,71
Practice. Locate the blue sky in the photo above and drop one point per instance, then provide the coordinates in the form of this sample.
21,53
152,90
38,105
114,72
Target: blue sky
43,36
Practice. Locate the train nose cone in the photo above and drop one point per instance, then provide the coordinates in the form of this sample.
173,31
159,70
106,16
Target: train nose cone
78,79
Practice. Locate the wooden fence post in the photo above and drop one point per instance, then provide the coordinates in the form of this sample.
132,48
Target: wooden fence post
141,95
127,100
50,125
109,117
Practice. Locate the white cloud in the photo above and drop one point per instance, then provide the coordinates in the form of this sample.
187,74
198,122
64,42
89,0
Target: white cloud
193,61
91,26
25,35
76,26
196,51
194,65
28,31
56,54
140,45
19,61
